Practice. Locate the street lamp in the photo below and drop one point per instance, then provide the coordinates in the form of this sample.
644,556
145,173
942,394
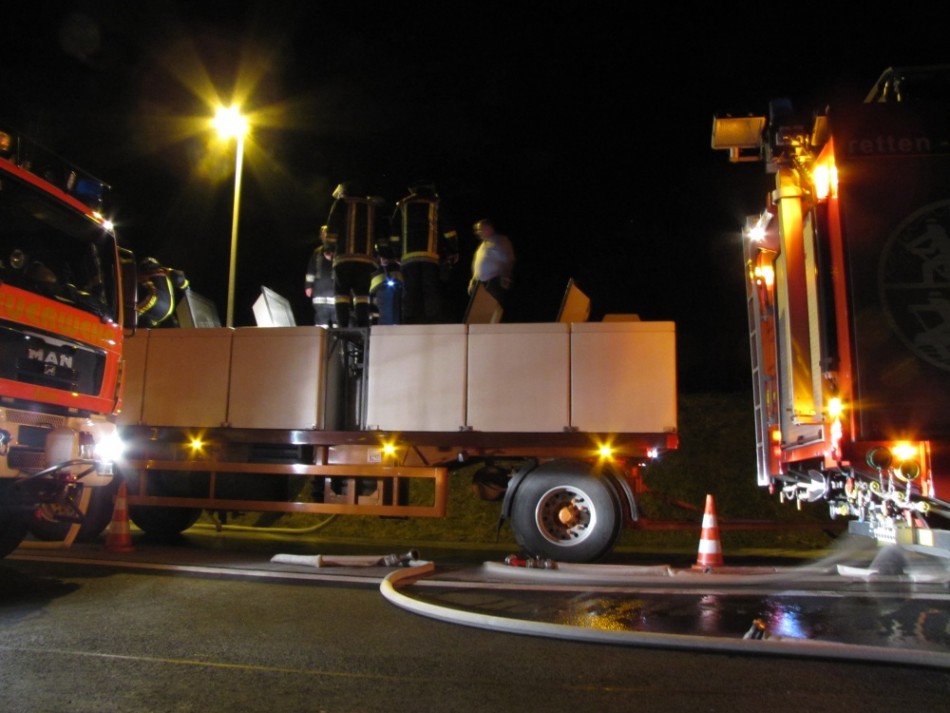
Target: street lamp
231,124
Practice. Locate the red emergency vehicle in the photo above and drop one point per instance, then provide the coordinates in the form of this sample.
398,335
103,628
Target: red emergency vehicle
61,336
848,286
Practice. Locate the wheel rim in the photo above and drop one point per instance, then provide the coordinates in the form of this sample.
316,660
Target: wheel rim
565,516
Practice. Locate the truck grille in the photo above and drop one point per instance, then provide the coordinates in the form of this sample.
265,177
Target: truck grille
32,418
26,459
28,358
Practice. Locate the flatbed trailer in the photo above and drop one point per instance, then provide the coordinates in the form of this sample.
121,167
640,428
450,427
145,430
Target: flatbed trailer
556,420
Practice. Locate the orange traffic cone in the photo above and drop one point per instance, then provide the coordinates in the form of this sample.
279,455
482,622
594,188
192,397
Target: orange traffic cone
710,551
119,538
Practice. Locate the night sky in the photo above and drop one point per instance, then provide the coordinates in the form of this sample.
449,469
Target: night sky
581,129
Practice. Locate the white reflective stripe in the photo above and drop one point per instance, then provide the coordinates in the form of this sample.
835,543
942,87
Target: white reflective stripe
708,547
324,300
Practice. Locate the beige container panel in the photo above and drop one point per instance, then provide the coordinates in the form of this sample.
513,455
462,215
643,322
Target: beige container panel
277,377
133,353
186,377
519,377
623,377
416,377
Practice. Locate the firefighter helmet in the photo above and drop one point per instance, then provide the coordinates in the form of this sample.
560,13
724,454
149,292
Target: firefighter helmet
345,189
150,266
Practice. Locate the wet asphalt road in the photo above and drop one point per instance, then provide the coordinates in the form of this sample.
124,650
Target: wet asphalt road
232,631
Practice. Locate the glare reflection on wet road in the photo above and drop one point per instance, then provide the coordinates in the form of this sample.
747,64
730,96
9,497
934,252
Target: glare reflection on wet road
917,618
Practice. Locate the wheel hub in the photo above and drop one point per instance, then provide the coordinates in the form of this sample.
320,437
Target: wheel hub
568,515
563,515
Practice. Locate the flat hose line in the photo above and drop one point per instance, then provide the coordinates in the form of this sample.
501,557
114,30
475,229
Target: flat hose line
391,586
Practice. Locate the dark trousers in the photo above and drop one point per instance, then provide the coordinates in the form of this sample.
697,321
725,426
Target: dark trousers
324,315
351,291
494,288
422,298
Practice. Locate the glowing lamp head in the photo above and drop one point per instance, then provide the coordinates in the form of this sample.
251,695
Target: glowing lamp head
835,408
756,233
764,274
109,448
904,451
825,180
229,123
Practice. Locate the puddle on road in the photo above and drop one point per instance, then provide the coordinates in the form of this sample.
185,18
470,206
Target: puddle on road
896,614
891,621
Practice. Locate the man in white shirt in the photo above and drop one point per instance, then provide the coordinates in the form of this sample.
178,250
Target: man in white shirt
494,262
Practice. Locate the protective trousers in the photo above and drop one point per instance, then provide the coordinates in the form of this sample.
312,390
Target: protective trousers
351,280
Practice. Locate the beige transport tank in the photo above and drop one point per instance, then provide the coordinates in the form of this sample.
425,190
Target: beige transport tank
519,377
623,377
277,378
417,377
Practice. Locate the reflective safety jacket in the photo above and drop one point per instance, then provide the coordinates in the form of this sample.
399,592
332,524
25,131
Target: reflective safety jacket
159,288
319,278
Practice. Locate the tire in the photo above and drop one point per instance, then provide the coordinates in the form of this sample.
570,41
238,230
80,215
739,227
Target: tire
95,521
12,533
563,511
163,523
13,525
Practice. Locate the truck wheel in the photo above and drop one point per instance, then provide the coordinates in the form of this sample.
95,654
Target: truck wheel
97,518
163,523
13,526
12,533
564,512
159,521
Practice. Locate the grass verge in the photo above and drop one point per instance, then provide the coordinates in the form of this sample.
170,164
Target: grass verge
716,456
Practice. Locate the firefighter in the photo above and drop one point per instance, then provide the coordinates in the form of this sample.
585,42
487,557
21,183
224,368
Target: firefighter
352,232
427,246
160,290
318,286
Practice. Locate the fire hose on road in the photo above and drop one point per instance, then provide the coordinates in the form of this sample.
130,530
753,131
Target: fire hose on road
397,588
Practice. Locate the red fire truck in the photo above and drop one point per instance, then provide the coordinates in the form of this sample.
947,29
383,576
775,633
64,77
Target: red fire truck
61,336
848,287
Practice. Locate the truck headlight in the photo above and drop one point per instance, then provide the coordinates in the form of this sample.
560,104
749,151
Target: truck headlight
109,447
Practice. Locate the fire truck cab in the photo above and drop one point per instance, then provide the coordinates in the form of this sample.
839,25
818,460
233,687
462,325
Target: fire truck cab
61,333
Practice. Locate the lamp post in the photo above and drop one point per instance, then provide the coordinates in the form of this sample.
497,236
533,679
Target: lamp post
231,124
